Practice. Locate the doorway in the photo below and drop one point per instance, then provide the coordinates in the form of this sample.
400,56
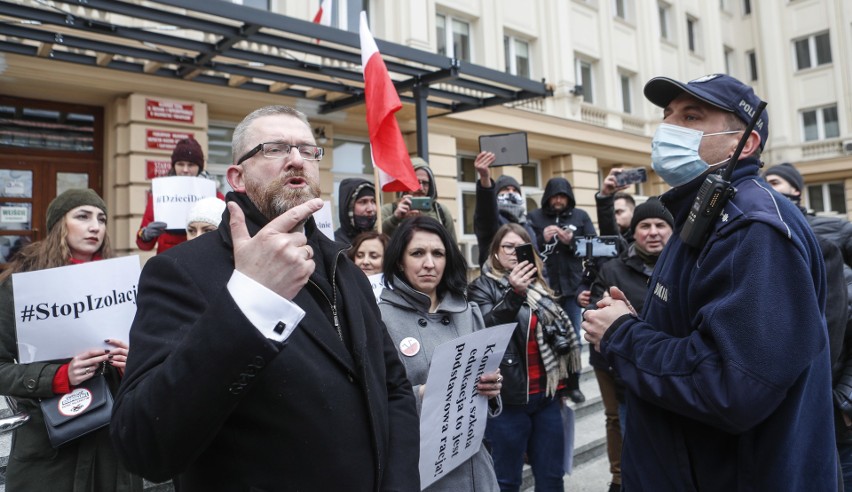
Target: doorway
45,149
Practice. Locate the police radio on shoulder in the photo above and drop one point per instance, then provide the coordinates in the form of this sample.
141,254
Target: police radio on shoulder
715,193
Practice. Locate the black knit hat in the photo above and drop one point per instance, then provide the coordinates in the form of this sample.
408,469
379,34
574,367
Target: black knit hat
788,173
653,208
188,150
70,200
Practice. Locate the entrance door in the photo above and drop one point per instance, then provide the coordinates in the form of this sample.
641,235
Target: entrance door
45,149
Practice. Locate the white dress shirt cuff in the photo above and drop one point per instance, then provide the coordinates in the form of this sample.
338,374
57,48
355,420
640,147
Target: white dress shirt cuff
272,315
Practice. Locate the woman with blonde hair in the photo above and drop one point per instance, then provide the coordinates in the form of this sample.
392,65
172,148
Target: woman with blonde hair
76,224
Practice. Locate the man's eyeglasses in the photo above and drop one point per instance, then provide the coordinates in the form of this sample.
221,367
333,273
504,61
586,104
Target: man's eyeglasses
509,249
424,183
275,150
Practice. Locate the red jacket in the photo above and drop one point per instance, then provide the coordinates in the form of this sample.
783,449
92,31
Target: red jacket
169,238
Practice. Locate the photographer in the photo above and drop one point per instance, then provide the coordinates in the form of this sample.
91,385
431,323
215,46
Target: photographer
542,355
394,213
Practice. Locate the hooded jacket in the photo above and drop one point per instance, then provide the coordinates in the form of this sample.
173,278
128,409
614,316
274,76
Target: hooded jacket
563,268
439,212
347,194
727,368
488,218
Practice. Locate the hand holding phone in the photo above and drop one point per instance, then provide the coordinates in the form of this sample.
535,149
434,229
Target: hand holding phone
631,176
524,252
423,203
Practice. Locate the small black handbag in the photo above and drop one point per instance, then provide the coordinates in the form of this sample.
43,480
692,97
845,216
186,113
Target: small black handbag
85,409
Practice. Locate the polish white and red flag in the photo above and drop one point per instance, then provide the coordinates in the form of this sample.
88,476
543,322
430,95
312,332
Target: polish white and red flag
323,16
390,156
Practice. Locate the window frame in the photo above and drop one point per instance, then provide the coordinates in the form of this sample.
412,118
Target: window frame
449,36
627,107
825,191
820,123
588,89
511,56
693,35
664,11
751,61
813,51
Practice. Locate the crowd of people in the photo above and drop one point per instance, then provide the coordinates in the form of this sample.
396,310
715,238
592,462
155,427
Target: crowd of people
261,360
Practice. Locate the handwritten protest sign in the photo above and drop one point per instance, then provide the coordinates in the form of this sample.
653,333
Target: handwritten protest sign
60,312
323,219
452,419
175,195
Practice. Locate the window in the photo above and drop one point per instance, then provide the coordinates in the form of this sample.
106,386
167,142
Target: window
752,65
820,123
664,10
620,8
812,51
626,81
826,198
585,79
746,7
692,34
453,37
729,60
517,54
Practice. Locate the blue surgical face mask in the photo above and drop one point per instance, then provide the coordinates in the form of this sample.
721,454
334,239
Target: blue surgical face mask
674,153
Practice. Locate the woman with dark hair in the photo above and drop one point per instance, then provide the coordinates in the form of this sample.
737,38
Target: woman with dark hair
76,224
425,303
542,354
368,250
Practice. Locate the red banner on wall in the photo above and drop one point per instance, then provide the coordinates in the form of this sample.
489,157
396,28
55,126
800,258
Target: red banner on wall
169,111
164,139
157,169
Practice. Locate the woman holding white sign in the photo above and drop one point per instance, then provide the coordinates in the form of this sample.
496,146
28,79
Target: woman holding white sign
76,224
423,307
542,353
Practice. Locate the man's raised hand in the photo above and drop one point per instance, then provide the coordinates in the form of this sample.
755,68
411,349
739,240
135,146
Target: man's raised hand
276,257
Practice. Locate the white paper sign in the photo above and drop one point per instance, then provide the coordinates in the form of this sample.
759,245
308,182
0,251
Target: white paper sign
377,283
14,215
14,188
60,312
175,195
323,220
453,415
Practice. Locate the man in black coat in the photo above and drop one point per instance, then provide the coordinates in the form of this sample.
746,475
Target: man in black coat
252,369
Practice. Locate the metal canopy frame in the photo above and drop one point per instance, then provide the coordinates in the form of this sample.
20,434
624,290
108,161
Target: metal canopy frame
222,44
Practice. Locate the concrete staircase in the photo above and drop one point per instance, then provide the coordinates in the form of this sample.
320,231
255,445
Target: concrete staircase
590,461
589,441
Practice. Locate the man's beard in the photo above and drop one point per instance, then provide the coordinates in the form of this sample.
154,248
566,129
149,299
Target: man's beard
273,198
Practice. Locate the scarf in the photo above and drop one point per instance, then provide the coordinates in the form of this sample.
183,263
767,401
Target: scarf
649,261
550,315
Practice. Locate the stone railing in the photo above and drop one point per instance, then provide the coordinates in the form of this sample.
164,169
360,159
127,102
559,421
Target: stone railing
822,148
593,115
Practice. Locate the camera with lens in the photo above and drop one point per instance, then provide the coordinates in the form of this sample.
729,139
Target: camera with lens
556,334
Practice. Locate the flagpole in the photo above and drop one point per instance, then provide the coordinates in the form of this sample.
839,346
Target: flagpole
379,196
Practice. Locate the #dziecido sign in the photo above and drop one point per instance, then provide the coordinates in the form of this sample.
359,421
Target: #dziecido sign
175,195
60,312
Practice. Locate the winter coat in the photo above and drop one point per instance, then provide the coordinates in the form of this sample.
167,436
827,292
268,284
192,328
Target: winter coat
209,399
727,369
88,463
348,191
405,312
168,239
487,217
837,230
563,269
439,211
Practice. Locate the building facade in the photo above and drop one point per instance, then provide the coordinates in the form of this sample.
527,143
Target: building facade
66,123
